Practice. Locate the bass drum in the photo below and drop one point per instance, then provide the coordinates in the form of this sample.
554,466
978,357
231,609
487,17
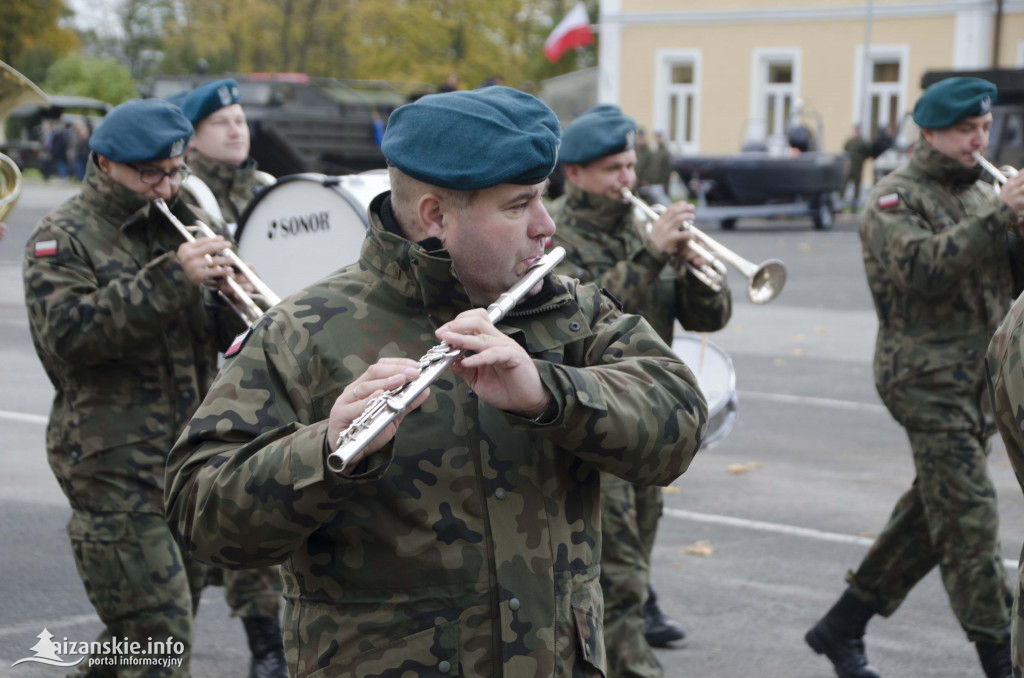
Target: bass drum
717,378
307,226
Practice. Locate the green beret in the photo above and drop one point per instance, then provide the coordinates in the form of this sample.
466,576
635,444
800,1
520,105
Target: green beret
475,139
949,101
178,98
142,129
601,131
210,97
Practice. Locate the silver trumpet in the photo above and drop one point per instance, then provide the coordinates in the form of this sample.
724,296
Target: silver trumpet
243,304
1000,174
388,406
764,280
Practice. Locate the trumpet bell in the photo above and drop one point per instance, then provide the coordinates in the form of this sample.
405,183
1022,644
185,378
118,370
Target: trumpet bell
767,281
10,185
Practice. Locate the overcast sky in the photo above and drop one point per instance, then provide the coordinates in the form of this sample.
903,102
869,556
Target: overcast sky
98,15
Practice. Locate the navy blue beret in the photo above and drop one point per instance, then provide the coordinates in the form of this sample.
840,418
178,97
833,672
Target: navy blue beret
601,131
142,129
475,139
210,97
949,101
178,98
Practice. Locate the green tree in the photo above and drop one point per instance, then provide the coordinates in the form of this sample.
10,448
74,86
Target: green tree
103,79
33,25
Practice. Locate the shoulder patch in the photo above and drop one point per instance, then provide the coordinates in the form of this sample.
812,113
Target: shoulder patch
237,343
46,248
889,200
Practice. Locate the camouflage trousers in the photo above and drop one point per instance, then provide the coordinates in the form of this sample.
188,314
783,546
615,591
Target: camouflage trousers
141,586
629,522
948,518
250,593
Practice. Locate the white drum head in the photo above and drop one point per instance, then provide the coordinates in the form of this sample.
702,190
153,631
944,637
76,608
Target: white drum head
717,378
304,227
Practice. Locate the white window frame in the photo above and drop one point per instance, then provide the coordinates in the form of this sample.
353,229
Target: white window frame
1020,54
861,113
760,59
664,60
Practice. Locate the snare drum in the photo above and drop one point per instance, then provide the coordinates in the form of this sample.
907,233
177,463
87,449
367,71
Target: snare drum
307,226
717,378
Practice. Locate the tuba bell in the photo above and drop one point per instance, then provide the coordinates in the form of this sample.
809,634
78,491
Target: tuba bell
15,90
10,185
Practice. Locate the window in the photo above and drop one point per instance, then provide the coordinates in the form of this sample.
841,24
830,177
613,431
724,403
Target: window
676,99
879,100
776,84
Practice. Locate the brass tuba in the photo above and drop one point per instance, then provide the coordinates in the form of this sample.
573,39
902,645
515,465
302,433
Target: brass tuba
15,90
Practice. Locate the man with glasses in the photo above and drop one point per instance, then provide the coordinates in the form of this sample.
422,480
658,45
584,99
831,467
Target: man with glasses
125,318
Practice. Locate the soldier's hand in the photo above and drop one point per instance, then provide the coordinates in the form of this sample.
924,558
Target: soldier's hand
1012,193
384,375
667,232
200,260
499,370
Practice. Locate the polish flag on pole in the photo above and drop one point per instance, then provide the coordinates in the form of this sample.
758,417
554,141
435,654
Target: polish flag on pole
572,31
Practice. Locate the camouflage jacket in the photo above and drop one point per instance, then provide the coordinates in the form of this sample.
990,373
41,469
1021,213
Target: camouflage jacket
232,186
605,244
128,342
940,256
1005,370
468,546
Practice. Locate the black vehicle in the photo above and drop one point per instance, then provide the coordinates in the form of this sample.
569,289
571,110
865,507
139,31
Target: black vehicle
302,124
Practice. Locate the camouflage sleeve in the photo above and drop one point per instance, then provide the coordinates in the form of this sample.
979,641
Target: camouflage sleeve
1004,367
77,319
275,443
698,307
632,408
929,263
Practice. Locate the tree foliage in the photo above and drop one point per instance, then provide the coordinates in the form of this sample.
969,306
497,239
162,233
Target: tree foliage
30,27
103,79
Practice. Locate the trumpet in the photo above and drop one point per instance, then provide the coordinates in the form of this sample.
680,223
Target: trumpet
243,304
1000,174
764,280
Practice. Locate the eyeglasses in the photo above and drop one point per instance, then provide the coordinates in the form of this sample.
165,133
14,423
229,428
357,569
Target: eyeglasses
153,176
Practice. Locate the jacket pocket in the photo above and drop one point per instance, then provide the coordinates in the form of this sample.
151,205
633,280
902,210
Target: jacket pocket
433,653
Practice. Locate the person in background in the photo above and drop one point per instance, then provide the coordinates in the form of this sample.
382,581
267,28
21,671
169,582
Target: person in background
857,151
125,318
218,156
607,245
944,260
464,539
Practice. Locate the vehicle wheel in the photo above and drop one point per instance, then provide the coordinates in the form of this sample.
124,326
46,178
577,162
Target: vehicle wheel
824,216
728,224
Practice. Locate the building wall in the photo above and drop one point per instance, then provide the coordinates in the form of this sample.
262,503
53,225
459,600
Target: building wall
725,38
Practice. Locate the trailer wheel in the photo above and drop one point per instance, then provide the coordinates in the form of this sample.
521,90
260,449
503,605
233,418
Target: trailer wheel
728,224
824,216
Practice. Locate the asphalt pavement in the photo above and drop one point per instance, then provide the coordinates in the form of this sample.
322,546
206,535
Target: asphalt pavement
757,535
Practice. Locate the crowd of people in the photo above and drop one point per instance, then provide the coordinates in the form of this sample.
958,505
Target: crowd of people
503,523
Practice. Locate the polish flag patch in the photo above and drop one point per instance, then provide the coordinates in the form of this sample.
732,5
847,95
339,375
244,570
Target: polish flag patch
46,248
238,343
890,200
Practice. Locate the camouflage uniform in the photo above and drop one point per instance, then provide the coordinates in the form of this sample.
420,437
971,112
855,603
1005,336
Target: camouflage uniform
469,545
606,245
1006,389
130,346
252,592
232,186
940,256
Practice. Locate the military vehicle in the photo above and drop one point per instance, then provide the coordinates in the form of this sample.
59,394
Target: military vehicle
302,124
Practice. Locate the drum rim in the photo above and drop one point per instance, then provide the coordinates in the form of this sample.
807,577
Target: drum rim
327,181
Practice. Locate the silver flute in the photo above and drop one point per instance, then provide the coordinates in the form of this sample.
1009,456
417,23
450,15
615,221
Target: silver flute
388,406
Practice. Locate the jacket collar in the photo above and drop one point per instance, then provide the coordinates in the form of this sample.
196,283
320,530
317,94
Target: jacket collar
596,211
941,167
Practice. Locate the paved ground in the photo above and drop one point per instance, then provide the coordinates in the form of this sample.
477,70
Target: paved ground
822,465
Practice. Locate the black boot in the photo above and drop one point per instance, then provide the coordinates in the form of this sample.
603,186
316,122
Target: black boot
267,647
659,628
995,659
839,635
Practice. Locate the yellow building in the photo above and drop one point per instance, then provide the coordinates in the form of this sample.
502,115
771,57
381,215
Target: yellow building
713,74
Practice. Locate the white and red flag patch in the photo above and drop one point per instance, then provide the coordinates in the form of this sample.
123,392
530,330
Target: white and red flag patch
46,248
238,342
890,200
